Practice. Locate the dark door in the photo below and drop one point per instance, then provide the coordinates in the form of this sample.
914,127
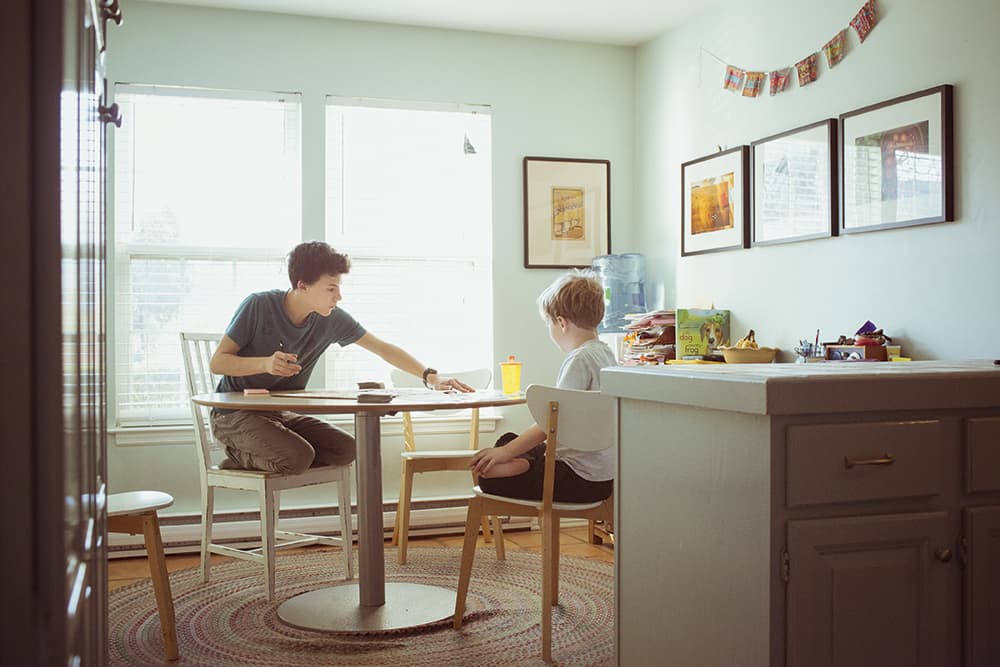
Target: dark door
871,591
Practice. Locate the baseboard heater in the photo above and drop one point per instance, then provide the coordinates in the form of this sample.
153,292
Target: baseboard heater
182,532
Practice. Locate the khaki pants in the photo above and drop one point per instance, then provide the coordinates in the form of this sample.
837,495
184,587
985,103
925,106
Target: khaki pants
284,442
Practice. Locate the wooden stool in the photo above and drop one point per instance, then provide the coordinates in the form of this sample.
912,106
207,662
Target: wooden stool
133,513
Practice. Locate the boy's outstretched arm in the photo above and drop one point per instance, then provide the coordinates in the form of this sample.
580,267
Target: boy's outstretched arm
488,462
405,361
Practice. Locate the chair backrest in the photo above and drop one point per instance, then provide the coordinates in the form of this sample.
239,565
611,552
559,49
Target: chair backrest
588,420
197,349
477,379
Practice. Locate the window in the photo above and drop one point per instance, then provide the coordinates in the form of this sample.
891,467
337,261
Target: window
208,201
408,197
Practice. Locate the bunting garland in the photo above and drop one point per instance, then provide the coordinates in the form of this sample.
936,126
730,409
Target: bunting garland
807,70
865,20
834,49
751,83
780,79
734,78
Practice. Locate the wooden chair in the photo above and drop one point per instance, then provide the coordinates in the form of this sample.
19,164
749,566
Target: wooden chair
134,512
415,461
198,349
583,420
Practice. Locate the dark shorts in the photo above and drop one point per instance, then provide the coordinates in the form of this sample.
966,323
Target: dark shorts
569,487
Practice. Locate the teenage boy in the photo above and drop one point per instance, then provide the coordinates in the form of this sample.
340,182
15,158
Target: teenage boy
572,307
273,342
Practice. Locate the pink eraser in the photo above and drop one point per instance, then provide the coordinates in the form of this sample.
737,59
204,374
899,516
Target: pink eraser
248,392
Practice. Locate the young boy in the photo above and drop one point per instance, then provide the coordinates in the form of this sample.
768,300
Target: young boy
273,342
572,306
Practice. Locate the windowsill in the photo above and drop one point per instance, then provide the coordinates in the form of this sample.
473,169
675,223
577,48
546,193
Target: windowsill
182,434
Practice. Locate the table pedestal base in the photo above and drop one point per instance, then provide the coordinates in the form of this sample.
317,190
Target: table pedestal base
336,609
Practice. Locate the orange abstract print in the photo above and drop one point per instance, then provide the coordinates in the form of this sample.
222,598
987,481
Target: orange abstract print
710,206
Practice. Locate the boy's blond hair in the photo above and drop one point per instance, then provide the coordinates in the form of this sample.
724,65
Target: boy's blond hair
576,296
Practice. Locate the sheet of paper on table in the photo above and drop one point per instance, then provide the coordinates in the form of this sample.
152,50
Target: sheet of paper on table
404,394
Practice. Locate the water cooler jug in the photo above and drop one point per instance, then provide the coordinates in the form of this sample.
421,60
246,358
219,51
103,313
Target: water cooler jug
624,278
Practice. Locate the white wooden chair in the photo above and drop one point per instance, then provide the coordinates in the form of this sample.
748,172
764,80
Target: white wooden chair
134,512
583,420
415,461
198,349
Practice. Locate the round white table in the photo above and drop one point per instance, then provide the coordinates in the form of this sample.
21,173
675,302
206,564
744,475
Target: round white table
370,604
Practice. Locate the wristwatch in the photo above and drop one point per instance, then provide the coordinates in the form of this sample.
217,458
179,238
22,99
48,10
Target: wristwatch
428,371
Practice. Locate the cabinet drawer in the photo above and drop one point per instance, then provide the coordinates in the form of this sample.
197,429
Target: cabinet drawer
982,454
836,463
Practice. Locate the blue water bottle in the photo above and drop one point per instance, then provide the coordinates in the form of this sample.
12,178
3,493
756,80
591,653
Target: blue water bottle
624,278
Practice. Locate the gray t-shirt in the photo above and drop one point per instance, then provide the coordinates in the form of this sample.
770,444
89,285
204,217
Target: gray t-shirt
581,369
260,327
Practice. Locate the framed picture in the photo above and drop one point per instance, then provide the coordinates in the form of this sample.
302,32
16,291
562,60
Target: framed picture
794,185
567,212
714,202
896,162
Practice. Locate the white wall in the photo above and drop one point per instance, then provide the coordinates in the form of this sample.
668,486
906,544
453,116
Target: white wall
549,98
924,285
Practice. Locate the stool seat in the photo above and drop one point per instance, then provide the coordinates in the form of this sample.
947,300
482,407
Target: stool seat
137,502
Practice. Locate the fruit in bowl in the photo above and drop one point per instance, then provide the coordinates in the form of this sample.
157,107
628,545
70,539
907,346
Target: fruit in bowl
747,351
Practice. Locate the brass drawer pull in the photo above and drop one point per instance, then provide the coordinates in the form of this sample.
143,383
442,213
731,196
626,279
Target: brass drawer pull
884,460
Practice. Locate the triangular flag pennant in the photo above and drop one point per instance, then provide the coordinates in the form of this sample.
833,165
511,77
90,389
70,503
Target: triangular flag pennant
754,83
835,48
807,69
779,80
865,20
734,78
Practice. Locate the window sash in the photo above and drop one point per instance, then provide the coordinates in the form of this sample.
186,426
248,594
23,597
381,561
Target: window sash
441,293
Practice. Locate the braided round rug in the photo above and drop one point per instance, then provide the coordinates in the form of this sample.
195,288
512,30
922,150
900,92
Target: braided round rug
228,621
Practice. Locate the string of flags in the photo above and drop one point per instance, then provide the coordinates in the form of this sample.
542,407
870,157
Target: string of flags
752,83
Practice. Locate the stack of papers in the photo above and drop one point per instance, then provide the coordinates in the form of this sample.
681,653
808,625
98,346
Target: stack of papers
651,338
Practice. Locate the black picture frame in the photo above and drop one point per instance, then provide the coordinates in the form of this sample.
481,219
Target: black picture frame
897,162
567,211
793,185
715,202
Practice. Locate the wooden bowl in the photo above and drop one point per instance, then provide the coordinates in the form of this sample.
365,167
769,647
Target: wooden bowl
749,355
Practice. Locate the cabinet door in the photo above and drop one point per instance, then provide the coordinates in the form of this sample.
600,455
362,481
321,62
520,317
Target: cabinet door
870,591
982,587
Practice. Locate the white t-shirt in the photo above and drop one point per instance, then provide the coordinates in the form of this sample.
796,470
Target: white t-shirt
581,369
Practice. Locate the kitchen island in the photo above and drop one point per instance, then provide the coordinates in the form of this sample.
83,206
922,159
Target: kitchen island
808,514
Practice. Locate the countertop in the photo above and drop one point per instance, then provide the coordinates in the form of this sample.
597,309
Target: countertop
775,389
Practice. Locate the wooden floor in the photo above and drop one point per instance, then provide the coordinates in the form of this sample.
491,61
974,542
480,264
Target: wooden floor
572,541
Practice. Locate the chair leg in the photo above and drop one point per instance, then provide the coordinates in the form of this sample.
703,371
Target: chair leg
592,537
498,536
277,509
161,583
548,544
399,504
555,560
468,555
403,510
485,522
346,520
267,538
207,510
